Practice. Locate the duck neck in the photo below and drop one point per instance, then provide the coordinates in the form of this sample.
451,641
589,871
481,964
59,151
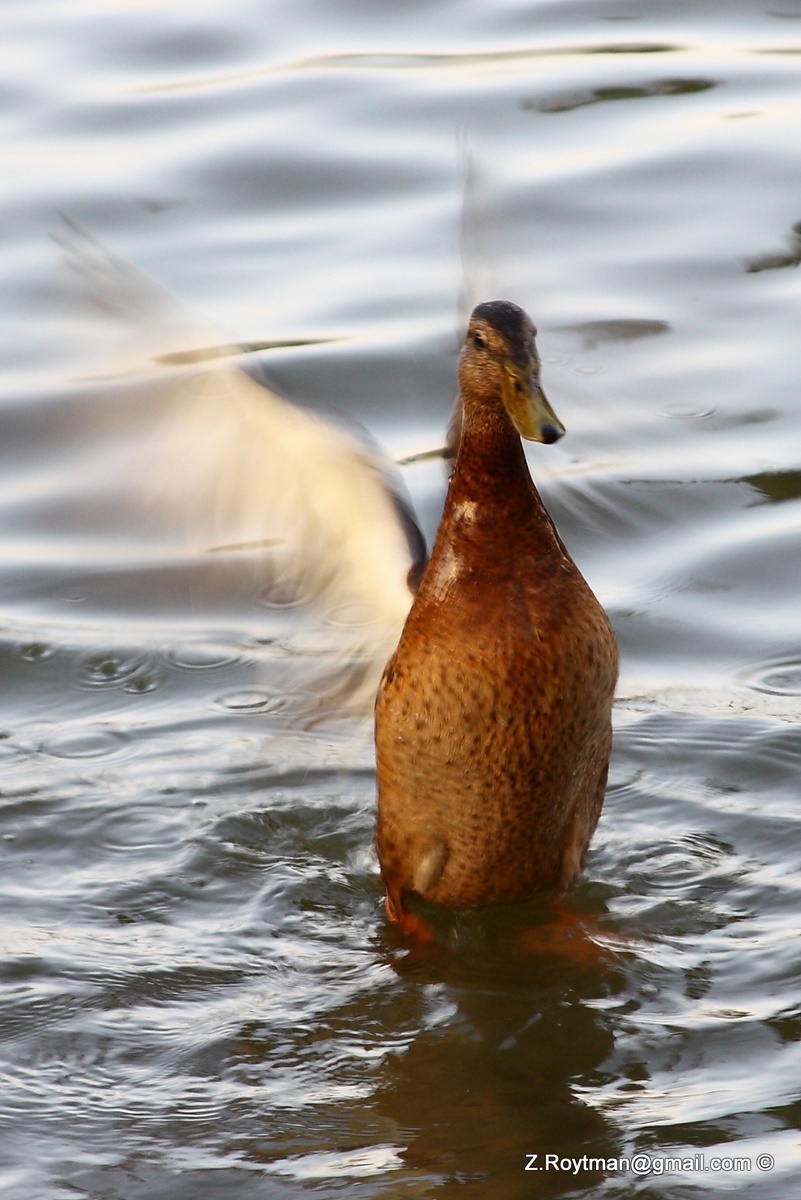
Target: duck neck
491,470
493,517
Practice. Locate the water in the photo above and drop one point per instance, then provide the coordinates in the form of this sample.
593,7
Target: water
200,996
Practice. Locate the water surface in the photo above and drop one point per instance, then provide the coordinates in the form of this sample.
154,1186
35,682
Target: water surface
200,995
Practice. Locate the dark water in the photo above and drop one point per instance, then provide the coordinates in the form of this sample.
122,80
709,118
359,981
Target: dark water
200,996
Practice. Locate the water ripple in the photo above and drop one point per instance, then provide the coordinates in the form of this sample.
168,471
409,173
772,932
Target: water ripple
84,743
205,655
780,678
200,994
134,671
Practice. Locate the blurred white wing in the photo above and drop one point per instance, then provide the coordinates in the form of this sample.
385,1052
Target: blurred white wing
226,467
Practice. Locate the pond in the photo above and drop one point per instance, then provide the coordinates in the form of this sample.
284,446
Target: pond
200,993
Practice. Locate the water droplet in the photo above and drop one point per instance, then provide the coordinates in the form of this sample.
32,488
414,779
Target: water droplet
35,651
289,704
685,411
142,683
245,701
112,669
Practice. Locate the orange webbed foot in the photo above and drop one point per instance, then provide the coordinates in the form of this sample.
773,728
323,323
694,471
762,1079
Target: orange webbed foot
411,925
575,937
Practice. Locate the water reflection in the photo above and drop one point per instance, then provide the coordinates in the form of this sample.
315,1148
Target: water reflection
493,1090
777,261
618,329
776,486
568,101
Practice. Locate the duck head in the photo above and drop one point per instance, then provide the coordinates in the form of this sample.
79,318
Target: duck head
499,358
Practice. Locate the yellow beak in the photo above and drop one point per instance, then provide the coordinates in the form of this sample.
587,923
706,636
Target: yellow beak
525,402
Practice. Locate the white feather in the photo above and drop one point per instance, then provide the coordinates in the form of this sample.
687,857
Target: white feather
219,465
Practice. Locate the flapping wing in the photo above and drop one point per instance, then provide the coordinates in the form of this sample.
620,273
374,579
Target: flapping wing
226,467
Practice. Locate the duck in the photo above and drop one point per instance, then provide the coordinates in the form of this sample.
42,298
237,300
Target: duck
493,715
488,667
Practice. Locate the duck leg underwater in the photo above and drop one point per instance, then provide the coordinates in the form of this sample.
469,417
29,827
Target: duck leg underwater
493,716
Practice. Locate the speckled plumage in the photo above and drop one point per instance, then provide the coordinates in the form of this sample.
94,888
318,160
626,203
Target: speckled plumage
493,717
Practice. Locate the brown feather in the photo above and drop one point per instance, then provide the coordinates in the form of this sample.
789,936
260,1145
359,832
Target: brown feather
493,717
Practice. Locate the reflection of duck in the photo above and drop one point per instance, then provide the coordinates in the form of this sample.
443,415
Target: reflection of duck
493,715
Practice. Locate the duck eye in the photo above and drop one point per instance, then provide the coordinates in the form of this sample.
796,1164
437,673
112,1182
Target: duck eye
479,341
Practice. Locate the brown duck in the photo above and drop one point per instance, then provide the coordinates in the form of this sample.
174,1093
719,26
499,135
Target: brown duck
493,716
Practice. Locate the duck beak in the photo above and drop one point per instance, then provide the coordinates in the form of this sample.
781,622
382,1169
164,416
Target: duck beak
525,402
